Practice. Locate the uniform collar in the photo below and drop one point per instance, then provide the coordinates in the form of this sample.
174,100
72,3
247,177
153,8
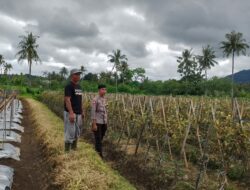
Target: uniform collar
100,96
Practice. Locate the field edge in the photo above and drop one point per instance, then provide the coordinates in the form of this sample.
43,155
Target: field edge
81,169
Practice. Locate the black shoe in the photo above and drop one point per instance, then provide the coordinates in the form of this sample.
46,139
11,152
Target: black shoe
100,154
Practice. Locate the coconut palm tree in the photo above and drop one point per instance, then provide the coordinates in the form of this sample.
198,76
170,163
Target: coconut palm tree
83,69
7,67
64,72
28,50
126,73
117,59
207,59
45,74
235,44
2,62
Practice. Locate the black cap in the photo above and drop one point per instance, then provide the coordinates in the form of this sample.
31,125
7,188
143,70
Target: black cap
101,86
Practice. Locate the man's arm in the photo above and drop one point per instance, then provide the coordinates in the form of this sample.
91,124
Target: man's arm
83,115
69,107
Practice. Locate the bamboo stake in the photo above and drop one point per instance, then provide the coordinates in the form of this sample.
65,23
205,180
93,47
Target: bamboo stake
220,147
165,124
198,129
130,134
186,136
142,130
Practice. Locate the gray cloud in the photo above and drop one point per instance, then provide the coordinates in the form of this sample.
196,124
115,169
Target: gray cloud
64,25
134,48
150,33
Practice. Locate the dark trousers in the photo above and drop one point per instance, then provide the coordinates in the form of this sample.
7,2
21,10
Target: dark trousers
99,134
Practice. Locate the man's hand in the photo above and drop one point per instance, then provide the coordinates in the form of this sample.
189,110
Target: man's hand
94,127
72,117
83,115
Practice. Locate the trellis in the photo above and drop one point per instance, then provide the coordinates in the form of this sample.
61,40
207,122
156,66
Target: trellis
166,129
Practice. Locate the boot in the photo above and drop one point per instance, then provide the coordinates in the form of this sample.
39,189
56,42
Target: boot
101,155
74,145
67,147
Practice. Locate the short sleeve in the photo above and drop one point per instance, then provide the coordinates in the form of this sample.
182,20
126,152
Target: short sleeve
67,91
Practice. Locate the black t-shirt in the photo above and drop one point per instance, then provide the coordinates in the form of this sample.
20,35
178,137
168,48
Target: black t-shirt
75,93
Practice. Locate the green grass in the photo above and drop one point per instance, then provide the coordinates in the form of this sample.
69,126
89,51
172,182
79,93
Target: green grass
81,169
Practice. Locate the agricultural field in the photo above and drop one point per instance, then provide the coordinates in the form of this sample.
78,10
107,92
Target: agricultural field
32,152
174,142
177,115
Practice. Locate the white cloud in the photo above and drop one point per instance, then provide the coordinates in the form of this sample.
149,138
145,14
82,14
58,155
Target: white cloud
157,48
12,21
133,13
223,62
5,47
54,64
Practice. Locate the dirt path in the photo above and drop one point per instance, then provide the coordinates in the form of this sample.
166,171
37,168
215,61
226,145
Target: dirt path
32,171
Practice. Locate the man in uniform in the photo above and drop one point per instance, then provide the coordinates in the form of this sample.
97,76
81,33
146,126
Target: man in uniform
99,117
73,111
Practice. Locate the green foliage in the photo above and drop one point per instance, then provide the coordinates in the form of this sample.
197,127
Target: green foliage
4,66
28,49
207,59
216,87
64,72
231,187
188,66
91,77
235,43
213,163
236,172
228,146
33,91
182,185
139,74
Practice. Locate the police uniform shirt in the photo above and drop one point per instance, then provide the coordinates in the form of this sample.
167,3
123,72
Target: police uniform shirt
99,110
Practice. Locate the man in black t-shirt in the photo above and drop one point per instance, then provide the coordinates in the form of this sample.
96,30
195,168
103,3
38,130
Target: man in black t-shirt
73,111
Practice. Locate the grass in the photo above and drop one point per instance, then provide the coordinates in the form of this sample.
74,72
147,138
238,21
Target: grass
78,170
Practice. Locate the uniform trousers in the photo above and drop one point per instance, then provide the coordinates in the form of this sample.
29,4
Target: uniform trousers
99,134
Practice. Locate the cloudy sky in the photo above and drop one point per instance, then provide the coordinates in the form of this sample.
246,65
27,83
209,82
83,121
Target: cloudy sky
152,33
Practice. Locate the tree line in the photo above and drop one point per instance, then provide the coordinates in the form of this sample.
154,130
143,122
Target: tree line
192,69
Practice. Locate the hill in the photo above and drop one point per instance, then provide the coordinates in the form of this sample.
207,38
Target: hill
241,76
